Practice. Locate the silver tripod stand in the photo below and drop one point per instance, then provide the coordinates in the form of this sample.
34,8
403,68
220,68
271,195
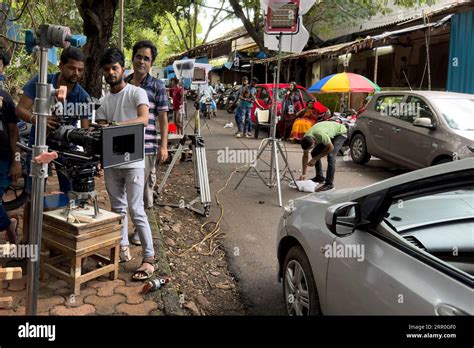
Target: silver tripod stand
272,142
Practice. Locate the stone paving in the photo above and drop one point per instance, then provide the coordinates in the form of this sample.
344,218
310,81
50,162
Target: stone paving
100,296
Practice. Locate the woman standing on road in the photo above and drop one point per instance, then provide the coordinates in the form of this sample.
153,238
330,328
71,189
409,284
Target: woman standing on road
292,104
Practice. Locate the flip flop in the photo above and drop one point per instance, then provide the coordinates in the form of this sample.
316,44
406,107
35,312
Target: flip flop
145,271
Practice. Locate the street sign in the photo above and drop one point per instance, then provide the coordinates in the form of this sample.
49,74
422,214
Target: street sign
289,43
296,38
283,19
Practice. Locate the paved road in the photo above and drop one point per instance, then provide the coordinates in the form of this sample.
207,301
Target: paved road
252,213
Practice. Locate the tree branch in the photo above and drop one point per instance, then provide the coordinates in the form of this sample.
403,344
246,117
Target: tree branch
183,37
215,25
248,25
214,18
215,8
19,16
196,11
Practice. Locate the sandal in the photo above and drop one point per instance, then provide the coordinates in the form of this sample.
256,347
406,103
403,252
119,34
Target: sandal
145,271
125,254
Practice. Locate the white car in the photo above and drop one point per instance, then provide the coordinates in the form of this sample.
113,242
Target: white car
403,246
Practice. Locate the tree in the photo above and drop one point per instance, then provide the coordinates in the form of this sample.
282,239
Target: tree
98,17
323,16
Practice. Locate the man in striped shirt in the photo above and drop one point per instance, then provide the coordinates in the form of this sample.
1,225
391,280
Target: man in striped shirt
143,55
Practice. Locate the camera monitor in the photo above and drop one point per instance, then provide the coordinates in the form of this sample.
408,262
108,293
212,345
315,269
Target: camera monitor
122,144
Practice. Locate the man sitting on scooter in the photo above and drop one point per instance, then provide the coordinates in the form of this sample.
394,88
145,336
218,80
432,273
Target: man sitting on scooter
206,91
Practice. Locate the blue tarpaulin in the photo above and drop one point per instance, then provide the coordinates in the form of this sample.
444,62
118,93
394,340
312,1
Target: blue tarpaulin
461,53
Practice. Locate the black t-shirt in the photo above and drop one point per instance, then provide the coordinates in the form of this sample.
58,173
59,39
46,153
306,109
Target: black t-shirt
7,115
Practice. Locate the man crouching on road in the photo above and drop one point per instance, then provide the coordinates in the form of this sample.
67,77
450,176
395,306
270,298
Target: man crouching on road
124,104
326,138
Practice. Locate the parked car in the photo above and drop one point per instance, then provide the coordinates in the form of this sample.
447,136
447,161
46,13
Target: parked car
264,97
415,129
403,246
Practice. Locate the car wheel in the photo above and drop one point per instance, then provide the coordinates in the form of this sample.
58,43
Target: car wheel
359,152
299,289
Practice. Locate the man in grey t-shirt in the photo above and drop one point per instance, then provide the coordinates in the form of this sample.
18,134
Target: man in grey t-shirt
124,104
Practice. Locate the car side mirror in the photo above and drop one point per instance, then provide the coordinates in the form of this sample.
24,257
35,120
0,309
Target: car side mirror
424,122
342,219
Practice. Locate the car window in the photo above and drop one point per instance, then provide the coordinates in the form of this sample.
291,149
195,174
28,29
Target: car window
264,94
389,105
458,112
441,224
415,108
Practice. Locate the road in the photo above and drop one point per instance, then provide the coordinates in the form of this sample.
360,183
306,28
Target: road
251,213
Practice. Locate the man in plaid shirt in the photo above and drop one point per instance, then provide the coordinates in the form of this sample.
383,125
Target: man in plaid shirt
144,54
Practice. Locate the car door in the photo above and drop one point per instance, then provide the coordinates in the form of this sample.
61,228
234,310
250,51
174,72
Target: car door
413,146
379,124
260,102
393,275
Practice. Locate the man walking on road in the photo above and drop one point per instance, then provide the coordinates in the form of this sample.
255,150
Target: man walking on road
326,139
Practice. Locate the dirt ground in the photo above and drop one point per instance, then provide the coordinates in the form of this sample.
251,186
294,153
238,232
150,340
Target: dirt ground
197,259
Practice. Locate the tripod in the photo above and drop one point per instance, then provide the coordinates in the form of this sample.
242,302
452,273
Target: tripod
273,143
197,121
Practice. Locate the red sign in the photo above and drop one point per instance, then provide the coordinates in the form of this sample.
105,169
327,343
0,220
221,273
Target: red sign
283,18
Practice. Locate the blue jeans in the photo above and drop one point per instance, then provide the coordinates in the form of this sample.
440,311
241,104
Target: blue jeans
4,182
338,141
238,115
245,123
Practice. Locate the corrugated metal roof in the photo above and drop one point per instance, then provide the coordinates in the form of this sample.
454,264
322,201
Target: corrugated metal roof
399,15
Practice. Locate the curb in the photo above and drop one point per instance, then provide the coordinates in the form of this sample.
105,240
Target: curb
167,296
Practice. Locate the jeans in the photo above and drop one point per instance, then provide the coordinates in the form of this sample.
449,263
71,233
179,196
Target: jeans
238,116
150,180
4,182
337,142
125,188
245,125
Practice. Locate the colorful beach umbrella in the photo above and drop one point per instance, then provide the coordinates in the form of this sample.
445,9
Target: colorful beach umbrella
344,83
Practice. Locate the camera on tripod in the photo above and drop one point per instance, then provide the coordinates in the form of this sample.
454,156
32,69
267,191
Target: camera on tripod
108,146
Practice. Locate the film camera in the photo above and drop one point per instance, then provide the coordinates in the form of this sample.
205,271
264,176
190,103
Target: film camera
108,146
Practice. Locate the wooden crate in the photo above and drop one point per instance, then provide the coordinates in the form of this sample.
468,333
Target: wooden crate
77,241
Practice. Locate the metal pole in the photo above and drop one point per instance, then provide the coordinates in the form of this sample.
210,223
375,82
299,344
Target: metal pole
121,25
39,173
276,89
376,64
427,45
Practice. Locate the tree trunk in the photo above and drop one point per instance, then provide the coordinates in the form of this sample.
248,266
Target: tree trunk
248,25
98,19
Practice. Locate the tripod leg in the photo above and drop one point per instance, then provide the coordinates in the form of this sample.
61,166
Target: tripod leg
277,170
250,167
176,156
286,162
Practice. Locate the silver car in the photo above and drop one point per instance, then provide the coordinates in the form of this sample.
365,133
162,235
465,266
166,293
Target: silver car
415,129
403,246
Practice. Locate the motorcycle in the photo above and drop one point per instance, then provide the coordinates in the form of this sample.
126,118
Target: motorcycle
209,108
15,194
191,94
221,99
231,103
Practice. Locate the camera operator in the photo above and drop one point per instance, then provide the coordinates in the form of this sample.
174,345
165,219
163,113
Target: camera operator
126,103
143,55
71,68
10,165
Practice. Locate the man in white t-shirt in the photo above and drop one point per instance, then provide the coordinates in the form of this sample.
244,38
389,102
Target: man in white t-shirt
124,104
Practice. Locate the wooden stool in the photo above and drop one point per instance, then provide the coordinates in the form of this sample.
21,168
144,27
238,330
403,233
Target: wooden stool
8,273
77,241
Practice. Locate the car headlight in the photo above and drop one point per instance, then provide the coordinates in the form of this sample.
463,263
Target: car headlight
471,147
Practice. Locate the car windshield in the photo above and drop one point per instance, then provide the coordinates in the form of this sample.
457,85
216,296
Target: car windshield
432,209
458,113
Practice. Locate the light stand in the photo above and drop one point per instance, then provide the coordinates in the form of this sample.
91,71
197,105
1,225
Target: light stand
273,142
47,37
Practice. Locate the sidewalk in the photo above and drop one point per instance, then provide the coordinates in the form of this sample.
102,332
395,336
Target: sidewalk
100,296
